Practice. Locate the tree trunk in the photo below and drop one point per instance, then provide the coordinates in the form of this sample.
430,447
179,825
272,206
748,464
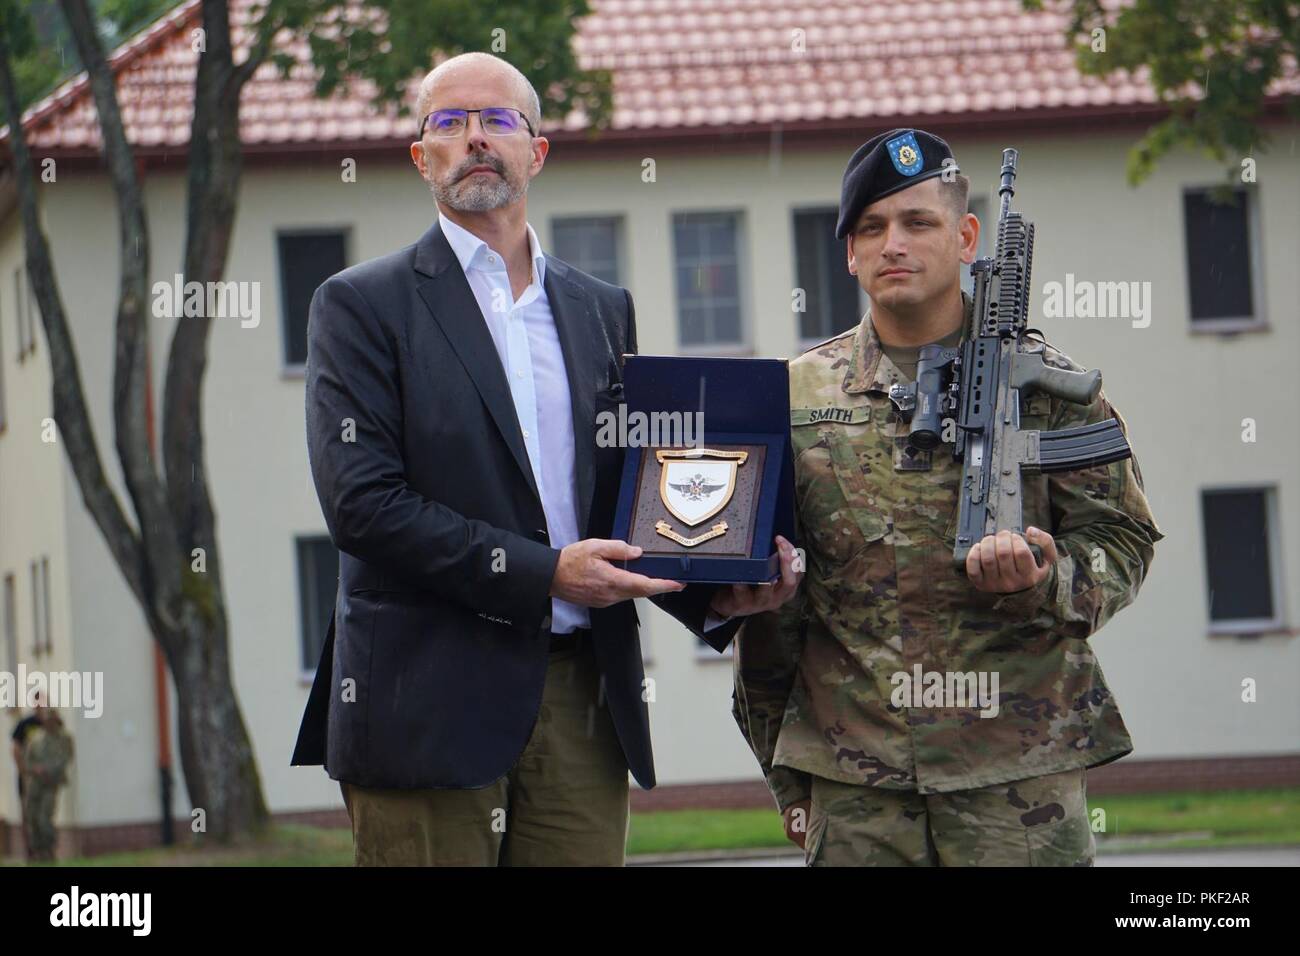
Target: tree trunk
184,609
216,752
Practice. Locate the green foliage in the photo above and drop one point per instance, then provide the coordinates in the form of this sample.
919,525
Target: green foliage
1210,61
536,34
41,47
124,18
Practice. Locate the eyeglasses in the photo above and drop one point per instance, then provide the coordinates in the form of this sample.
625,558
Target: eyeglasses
495,120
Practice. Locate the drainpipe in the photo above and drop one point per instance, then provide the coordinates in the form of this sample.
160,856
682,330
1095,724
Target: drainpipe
161,708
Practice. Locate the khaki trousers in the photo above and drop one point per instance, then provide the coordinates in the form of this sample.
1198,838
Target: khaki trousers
564,803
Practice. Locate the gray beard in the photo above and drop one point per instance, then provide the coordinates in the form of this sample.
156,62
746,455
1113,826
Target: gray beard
478,196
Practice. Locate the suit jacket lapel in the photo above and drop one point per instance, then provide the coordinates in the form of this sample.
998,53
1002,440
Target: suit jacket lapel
577,330
452,302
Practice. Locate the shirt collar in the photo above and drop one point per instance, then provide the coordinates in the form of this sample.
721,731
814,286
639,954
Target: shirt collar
870,369
472,252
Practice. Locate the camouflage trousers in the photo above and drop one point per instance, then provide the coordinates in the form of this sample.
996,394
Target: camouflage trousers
1042,821
38,820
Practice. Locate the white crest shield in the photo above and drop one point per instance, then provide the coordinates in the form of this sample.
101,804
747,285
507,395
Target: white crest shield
697,487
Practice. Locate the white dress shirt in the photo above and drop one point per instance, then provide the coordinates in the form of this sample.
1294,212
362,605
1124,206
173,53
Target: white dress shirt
528,343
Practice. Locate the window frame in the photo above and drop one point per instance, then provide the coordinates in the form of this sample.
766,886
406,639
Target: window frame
1254,235
298,370
9,619
619,220
1239,627
987,245
31,313
38,646
45,602
744,346
24,308
4,409
804,343
301,547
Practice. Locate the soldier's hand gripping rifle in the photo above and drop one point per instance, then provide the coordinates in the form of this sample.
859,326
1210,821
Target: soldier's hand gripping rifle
978,385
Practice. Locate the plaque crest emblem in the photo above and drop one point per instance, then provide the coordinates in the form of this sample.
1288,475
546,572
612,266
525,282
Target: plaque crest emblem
696,483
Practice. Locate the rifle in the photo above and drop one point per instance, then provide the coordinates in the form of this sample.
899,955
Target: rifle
979,382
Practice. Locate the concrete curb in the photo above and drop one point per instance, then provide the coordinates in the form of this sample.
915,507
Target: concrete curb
713,856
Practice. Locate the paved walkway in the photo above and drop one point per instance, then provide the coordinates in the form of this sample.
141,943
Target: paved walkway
1240,856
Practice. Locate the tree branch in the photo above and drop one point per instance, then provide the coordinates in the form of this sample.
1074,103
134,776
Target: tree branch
68,395
130,371
215,164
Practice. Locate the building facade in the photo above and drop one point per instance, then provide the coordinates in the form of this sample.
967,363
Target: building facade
716,235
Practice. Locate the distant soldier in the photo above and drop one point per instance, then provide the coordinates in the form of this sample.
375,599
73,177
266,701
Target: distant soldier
46,757
18,744
866,769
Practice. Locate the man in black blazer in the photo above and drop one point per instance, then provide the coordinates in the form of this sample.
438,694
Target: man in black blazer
479,696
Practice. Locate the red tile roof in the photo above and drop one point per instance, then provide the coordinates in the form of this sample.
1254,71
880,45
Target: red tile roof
680,67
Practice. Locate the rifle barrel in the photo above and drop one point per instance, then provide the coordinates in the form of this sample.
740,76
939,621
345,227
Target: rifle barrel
1007,189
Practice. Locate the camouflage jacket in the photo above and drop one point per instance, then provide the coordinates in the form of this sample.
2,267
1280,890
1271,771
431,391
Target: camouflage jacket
881,596
47,752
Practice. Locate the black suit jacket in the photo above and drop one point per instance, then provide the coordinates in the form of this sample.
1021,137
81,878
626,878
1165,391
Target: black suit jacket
433,666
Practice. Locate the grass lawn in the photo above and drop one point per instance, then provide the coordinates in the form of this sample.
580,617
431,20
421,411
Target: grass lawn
1177,820
1227,818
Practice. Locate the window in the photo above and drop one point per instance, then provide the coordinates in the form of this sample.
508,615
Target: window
988,239
45,597
592,244
18,313
42,639
1221,277
832,299
11,623
707,267
307,259
318,579
1241,561
24,314
4,420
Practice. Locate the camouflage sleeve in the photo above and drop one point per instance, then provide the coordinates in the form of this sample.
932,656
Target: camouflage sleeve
1105,539
765,661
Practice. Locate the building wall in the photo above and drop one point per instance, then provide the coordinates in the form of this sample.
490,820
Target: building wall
33,521
1183,396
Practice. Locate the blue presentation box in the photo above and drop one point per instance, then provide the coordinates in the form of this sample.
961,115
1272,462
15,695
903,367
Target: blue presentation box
744,403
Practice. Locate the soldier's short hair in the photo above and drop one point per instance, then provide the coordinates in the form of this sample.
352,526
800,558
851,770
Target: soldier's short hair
956,194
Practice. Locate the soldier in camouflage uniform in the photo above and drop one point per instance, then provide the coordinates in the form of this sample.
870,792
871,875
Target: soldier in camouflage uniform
46,756
878,780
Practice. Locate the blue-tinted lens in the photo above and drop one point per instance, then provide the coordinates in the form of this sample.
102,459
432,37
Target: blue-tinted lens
499,120
446,121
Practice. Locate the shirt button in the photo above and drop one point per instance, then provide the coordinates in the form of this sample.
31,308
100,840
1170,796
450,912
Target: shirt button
525,432
519,374
492,258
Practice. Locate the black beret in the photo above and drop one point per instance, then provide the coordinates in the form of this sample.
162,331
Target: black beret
885,164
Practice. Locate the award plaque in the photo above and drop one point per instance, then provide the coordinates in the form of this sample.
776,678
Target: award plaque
708,510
